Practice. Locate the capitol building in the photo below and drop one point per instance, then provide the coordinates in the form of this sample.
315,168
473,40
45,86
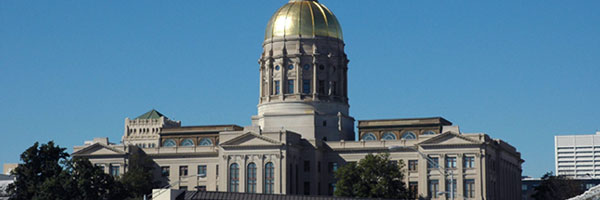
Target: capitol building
303,131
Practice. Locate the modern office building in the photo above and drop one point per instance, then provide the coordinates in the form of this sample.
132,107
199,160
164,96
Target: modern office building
303,131
577,156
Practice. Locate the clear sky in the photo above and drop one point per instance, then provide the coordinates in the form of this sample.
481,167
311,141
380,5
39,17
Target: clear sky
521,71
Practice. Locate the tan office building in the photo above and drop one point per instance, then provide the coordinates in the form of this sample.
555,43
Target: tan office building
303,131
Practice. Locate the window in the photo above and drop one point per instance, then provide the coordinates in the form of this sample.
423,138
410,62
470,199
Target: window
307,67
234,177
321,67
306,188
334,87
183,187
169,143
187,143
251,178
114,170
306,86
324,122
333,166
202,170
183,170
432,190
388,136
433,164
413,188
205,142
453,182
428,133
217,170
369,137
290,87
290,67
413,165
321,87
100,166
165,171
469,162
201,188
277,87
469,188
409,136
277,67
331,188
269,178
450,162
319,166
307,166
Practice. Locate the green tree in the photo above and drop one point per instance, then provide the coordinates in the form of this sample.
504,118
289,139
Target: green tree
87,181
41,175
375,176
139,178
557,188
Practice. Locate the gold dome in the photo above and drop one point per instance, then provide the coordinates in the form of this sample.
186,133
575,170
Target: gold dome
305,18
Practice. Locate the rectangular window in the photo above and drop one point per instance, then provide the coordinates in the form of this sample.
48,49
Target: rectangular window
319,166
331,189
433,189
183,187
333,166
433,164
469,162
290,87
217,170
201,188
450,162
413,188
334,85
114,170
183,170
469,188
202,170
165,171
321,87
306,86
306,188
277,84
413,165
453,186
307,166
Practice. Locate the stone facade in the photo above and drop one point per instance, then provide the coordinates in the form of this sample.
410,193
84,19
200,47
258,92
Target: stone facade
303,131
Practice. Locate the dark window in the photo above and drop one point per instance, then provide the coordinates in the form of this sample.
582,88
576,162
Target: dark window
277,87
290,87
334,85
183,187
306,188
331,188
435,163
269,178
413,188
432,190
319,166
277,67
321,87
307,166
469,188
202,170
114,170
306,86
413,165
333,167
321,67
290,67
165,171
183,170
217,170
234,177
469,162
448,186
307,67
201,188
251,178
324,123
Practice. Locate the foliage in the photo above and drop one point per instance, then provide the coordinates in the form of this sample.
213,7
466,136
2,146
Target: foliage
375,176
139,178
557,188
48,173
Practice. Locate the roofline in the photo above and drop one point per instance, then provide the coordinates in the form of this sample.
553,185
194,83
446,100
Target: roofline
396,119
203,126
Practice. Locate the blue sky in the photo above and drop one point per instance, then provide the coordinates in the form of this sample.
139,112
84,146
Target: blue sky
522,71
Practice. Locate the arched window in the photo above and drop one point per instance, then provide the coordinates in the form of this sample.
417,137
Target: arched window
169,143
429,133
409,136
388,136
234,177
369,137
187,143
251,178
269,178
205,142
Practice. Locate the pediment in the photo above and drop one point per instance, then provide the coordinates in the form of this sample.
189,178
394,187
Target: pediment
98,149
449,138
251,139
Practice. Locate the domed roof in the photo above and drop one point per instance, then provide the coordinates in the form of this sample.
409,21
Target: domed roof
306,18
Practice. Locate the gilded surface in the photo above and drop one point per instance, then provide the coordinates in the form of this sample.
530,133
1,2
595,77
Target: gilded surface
305,19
